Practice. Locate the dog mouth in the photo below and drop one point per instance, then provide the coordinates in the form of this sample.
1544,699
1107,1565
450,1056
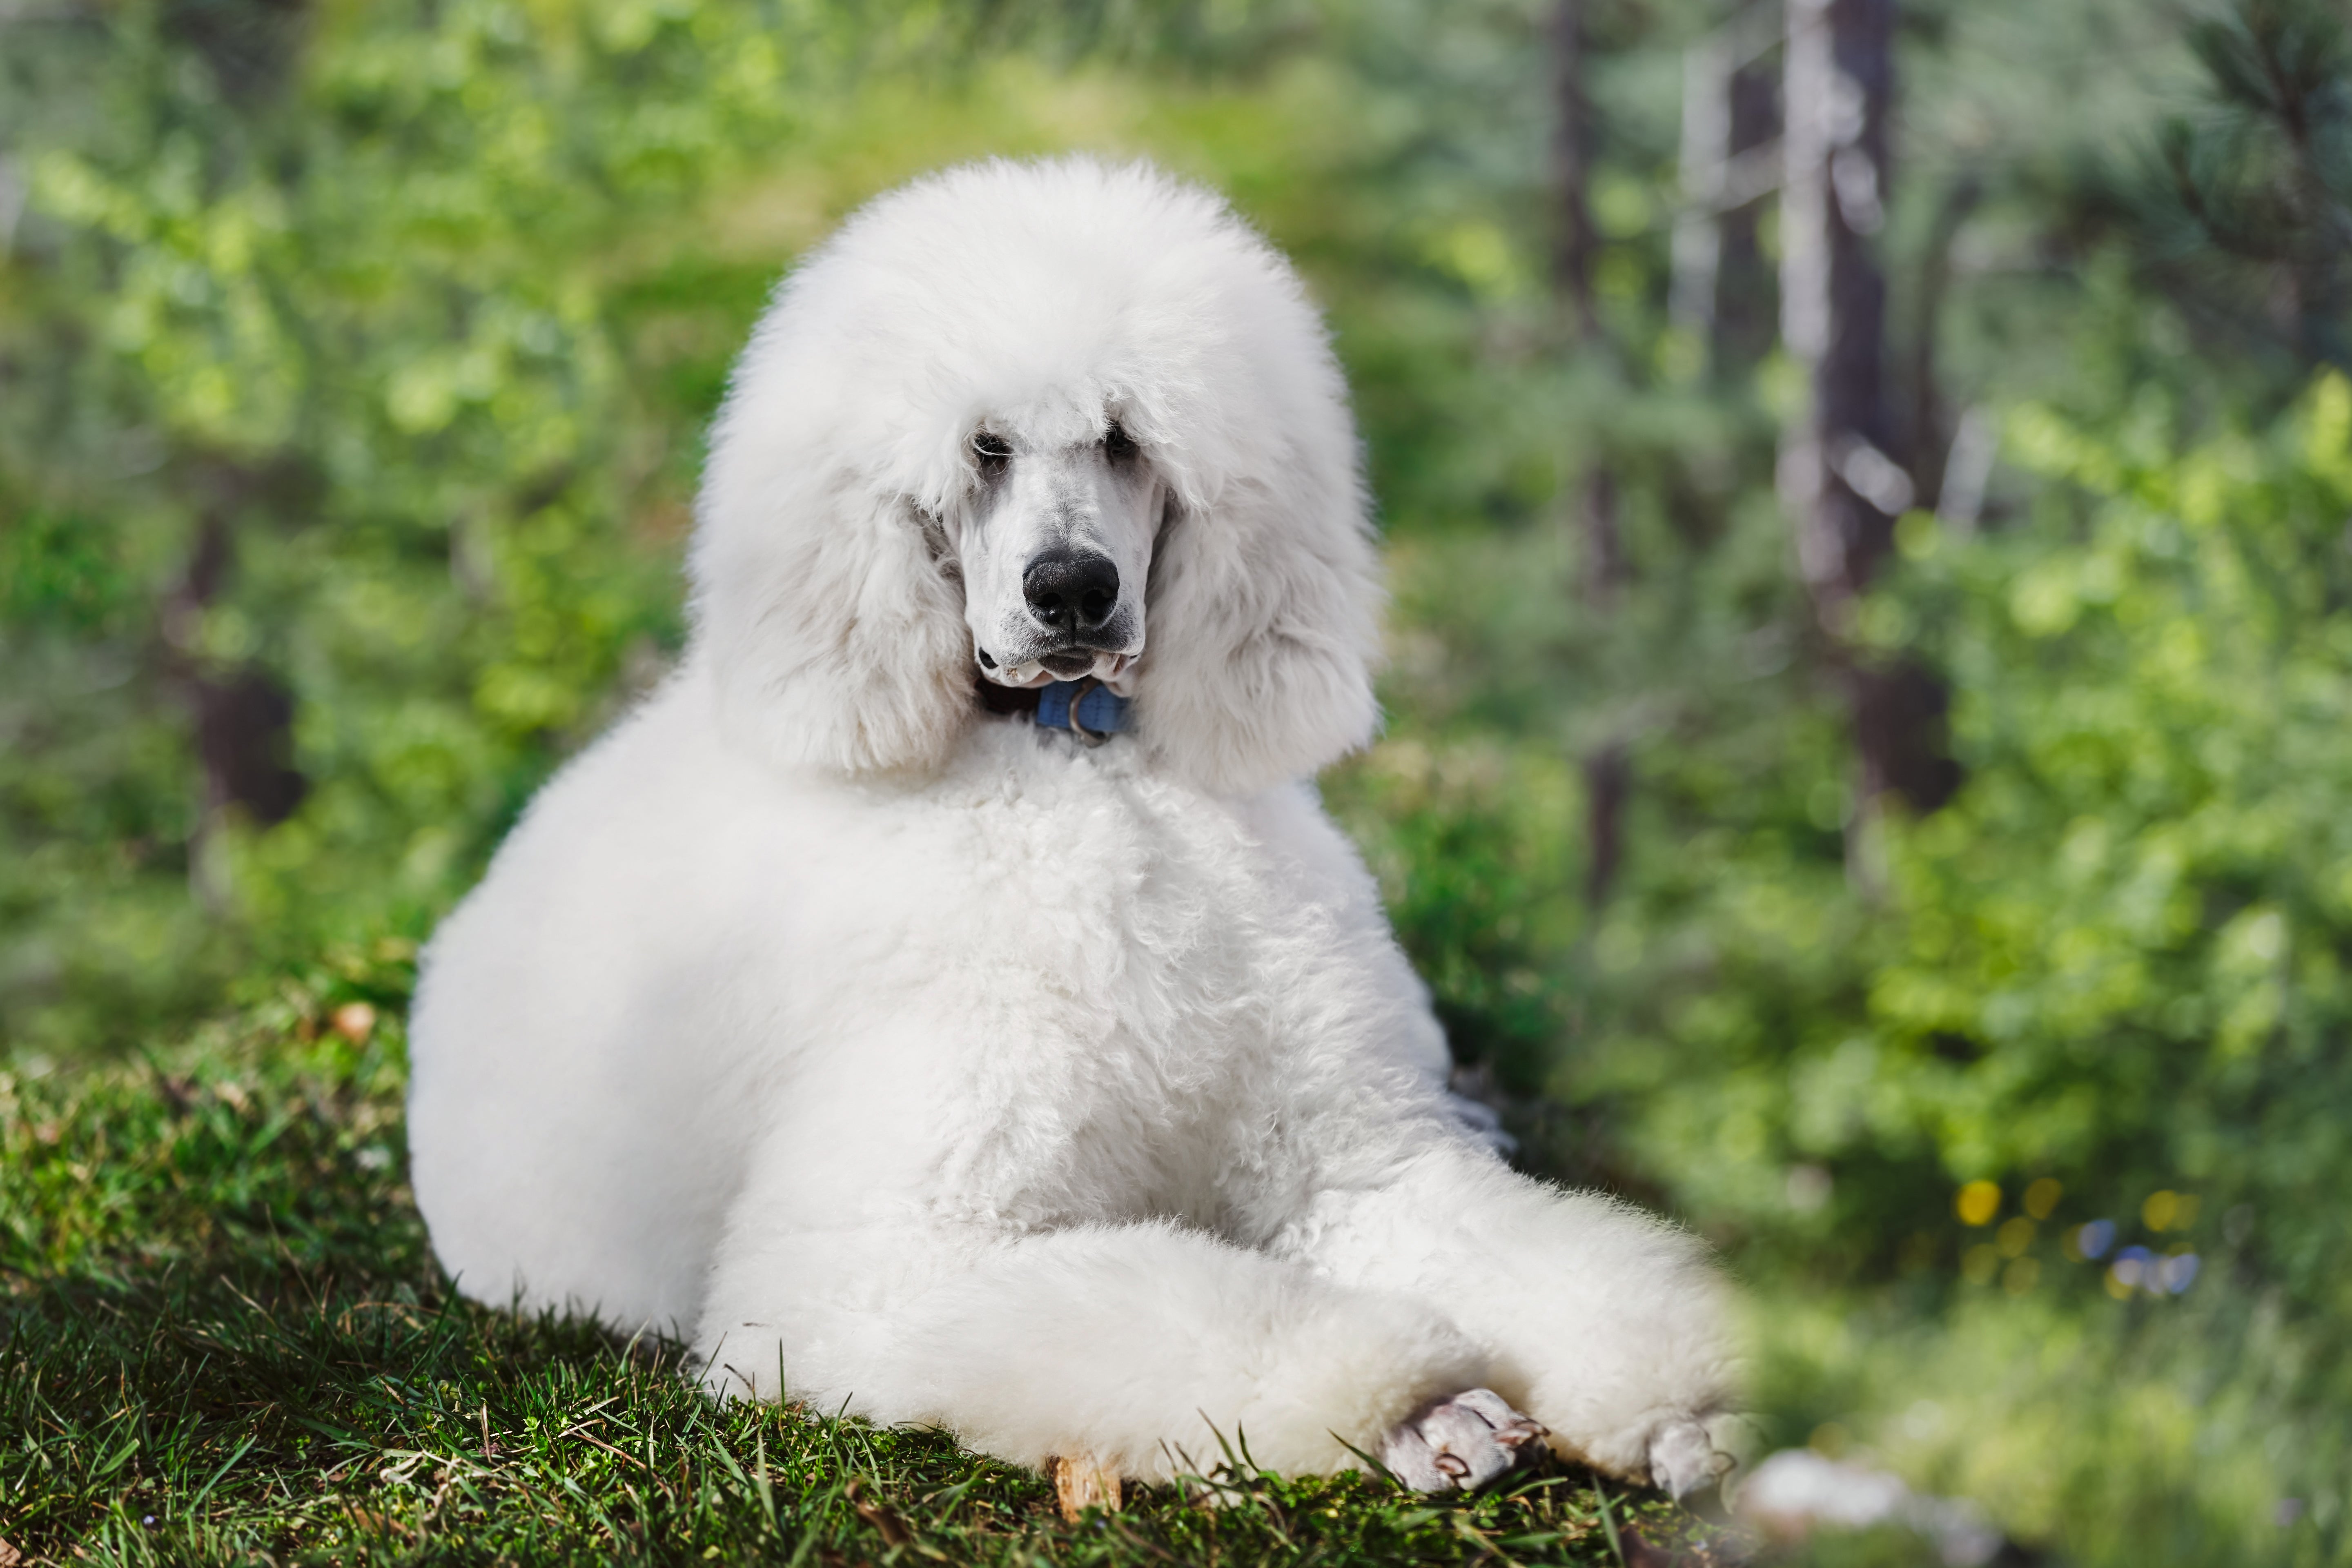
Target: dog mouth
1070,662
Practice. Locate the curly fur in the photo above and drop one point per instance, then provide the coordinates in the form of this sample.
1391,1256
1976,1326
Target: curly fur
909,1057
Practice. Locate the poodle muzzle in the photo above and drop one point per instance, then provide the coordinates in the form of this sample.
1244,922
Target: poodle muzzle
1055,551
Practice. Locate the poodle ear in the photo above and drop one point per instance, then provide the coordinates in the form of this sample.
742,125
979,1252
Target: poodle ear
1263,626
833,622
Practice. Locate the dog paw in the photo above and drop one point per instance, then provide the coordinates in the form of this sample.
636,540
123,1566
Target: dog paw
1684,1459
1461,1443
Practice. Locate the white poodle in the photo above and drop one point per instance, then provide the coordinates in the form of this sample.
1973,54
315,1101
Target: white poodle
946,997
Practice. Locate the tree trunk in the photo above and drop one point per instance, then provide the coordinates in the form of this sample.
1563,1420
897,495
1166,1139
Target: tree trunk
1722,289
242,716
1833,297
1929,449
1608,769
1746,292
1842,472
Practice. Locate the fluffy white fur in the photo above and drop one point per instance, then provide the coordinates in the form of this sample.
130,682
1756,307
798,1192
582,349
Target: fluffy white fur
915,1059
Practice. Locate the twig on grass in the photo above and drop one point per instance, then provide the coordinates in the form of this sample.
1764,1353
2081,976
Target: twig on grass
608,1447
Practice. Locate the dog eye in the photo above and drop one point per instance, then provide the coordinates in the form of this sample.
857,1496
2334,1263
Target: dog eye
993,451
1117,442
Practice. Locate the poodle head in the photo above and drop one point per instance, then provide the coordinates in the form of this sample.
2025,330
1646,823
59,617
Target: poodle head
1023,421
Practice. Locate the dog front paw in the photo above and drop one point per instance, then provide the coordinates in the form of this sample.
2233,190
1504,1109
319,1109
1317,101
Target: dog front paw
1684,1459
1461,1443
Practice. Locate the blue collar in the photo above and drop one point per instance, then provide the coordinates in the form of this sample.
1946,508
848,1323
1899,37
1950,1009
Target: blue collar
1087,709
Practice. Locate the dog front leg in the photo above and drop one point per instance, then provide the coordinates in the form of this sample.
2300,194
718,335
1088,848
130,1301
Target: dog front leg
1136,1350
1606,1324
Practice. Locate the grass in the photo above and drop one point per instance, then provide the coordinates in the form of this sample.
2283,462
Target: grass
224,1339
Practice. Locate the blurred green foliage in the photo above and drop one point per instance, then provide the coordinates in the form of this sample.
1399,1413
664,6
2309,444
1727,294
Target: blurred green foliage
414,313
390,325
2107,984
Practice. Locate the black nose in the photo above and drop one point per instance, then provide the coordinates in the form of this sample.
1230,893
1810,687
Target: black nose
1070,591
